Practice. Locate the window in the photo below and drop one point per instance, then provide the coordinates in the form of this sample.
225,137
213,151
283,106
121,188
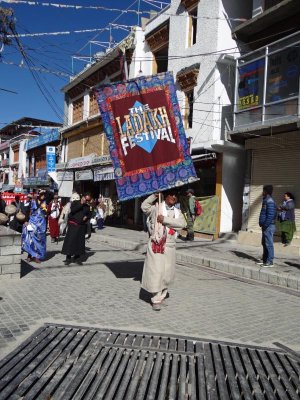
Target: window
78,110
192,26
158,42
189,106
16,154
94,110
251,84
161,61
268,87
283,75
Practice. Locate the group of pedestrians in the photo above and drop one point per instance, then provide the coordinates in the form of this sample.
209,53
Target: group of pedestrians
77,220
164,221
270,215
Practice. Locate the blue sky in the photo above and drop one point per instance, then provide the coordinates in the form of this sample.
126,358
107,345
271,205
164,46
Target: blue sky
39,96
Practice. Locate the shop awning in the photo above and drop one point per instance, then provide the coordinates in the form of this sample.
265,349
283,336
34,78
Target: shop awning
7,188
53,175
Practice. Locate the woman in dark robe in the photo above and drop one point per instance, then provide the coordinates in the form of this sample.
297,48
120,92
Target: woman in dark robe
74,243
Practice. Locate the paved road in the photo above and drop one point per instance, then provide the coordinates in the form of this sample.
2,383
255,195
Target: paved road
105,291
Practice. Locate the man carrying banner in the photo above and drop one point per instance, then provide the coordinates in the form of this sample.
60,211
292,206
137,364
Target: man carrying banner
159,267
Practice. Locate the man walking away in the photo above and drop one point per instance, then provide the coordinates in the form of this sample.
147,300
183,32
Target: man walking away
267,220
190,214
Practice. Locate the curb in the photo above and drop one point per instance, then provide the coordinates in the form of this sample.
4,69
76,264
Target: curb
273,277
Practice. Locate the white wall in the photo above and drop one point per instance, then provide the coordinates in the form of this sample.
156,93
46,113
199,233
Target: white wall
142,56
213,34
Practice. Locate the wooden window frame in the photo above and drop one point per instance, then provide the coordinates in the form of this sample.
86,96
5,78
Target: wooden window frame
93,108
192,26
16,152
78,106
188,106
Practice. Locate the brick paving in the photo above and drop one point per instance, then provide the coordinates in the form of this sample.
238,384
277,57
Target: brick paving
223,255
105,291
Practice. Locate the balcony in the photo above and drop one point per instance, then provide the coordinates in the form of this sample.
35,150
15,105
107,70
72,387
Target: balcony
277,18
267,86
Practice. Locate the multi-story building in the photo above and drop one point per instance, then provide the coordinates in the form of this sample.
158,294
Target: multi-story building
36,172
4,164
266,113
14,137
192,38
85,161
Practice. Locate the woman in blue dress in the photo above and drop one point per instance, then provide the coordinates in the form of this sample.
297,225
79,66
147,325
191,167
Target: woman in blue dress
34,231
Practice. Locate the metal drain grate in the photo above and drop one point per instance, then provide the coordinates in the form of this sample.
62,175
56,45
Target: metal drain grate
63,362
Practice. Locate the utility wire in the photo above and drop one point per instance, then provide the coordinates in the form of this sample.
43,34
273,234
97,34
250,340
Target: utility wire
9,91
45,92
103,8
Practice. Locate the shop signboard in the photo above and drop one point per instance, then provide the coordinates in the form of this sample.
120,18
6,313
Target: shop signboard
48,135
51,158
65,175
104,174
84,175
81,162
41,173
35,181
101,159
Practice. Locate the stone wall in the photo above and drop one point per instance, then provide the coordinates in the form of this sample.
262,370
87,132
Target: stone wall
10,251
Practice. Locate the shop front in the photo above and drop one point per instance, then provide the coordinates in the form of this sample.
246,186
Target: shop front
37,168
275,161
90,174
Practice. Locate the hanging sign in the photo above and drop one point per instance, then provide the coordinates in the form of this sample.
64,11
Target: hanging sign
65,175
104,174
148,145
84,175
51,158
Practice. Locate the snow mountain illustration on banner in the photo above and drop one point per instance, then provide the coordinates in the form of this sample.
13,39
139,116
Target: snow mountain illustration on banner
144,127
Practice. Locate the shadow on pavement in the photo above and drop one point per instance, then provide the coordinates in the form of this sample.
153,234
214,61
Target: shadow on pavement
126,269
244,255
145,296
51,253
291,264
26,268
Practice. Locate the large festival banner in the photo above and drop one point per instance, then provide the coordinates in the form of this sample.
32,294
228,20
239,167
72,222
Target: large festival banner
147,142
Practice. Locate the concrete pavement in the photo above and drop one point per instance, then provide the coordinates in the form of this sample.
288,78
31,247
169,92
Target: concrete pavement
105,293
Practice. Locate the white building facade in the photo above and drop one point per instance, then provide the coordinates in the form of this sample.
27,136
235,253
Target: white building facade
193,38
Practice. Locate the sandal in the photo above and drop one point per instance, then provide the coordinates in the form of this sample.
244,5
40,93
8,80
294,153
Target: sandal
156,306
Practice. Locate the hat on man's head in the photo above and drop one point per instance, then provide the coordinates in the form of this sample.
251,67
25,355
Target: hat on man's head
29,195
190,190
268,189
170,192
75,197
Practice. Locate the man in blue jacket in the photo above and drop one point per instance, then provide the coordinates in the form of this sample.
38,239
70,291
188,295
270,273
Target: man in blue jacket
267,220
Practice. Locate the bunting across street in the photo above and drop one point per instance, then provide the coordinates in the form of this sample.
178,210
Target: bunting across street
147,141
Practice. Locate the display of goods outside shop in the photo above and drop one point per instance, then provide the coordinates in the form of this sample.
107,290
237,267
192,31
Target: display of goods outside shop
10,197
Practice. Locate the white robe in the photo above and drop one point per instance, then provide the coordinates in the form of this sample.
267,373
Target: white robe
159,269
